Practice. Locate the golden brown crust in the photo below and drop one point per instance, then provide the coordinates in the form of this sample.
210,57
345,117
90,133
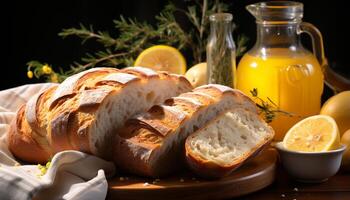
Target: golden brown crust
160,120
141,72
21,143
208,169
29,130
78,133
74,83
31,112
59,132
221,91
93,97
71,119
118,79
61,117
140,139
122,153
34,110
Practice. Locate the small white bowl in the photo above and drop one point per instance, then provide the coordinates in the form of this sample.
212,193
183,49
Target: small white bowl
310,167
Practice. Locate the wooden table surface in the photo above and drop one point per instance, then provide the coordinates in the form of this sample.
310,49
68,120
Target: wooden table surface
284,188
257,173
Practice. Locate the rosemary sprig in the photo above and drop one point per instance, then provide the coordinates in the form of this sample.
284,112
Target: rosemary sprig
268,109
86,33
135,36
241,43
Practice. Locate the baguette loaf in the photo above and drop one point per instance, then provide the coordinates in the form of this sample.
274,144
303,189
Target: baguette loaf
84,111
227,142
152,143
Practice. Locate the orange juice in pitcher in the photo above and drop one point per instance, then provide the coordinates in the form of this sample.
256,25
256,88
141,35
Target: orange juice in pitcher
280,67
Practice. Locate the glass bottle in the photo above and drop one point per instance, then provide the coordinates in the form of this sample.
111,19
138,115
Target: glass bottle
280,67
221,51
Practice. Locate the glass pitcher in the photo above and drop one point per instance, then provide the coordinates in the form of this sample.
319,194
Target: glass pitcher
280,67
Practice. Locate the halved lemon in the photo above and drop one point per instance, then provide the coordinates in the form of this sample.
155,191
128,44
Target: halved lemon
313,134
162,58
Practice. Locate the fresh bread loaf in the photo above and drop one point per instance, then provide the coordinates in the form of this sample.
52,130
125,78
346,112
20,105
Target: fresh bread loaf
227,142
84,112
152,143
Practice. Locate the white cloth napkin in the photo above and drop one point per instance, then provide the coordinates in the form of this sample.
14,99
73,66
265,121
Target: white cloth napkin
72,175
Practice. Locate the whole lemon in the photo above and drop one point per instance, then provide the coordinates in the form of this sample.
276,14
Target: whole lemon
345,139
197,74
338,107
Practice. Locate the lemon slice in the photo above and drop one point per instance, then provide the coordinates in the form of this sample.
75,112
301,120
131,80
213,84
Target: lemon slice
162,58
313,134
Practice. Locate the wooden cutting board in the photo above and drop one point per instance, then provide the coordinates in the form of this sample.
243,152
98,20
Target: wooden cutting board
252,176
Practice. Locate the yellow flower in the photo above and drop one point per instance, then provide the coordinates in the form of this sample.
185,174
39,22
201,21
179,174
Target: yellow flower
47,69
54,78
30,74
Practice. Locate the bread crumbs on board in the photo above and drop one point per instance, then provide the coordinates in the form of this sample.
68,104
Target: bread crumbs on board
146,184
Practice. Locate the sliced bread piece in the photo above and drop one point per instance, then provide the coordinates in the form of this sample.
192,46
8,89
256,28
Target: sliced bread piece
226,143
152,143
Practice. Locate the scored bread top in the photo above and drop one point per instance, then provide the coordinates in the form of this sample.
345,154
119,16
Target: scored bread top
72,84
60,117
91,93
151,143
149,129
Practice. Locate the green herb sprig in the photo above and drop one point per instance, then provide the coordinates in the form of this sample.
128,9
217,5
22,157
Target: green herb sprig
268,109
135,36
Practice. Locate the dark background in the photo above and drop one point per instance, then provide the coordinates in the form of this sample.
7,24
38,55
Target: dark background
33,26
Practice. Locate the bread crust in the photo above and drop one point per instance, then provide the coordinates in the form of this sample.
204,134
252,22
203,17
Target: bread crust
21,143
209,169
155,147
72,84
65,117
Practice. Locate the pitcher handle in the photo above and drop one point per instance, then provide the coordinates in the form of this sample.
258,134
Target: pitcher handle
317,42
332,79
